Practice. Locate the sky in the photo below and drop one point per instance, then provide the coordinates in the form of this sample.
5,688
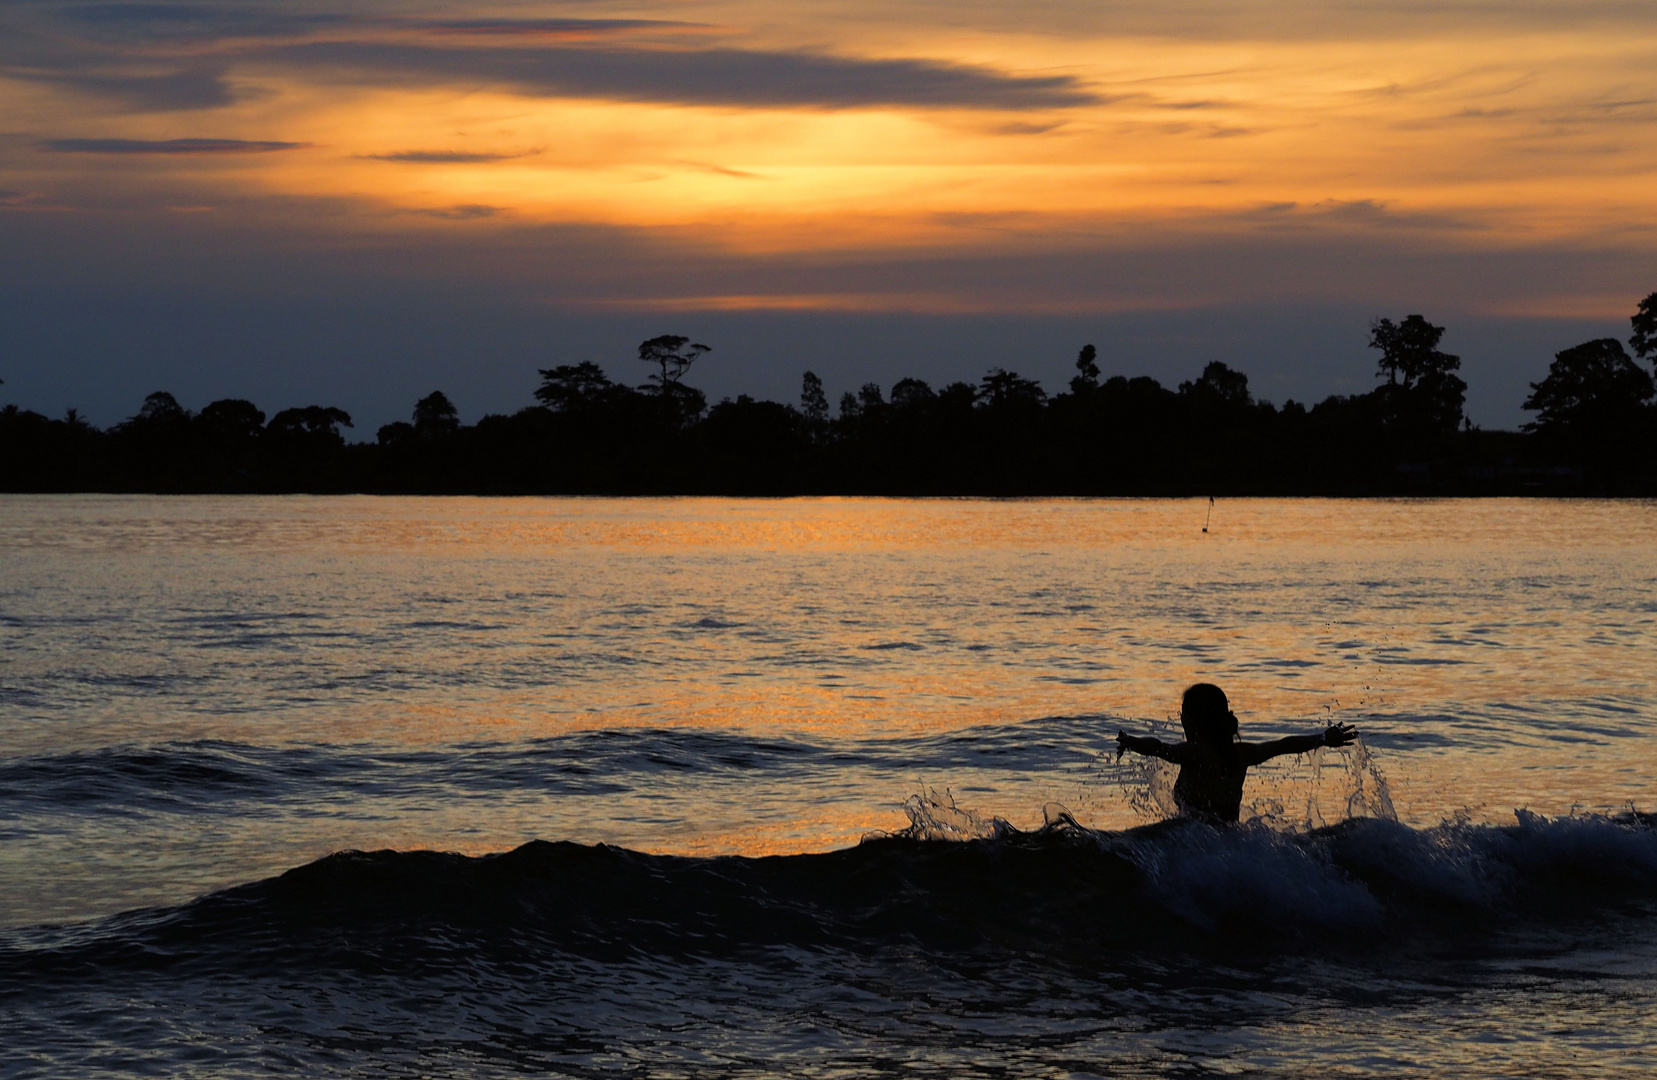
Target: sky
354,202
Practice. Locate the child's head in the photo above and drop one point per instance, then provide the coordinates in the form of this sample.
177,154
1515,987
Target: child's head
1206,715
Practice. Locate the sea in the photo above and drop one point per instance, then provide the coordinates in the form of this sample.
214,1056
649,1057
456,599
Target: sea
582,787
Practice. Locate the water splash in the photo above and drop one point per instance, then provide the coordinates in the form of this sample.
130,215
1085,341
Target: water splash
1148,782
1367,795
1360,787
937,817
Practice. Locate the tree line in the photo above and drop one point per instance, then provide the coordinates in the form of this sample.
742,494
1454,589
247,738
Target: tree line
1594,430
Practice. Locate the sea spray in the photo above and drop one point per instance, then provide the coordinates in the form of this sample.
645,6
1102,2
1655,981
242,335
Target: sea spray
937,817
1147,785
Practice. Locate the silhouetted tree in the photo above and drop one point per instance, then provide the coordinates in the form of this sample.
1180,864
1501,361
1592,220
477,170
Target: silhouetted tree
1644,339
314,424
305,450
755,446
435,416
1000,389
161,408
574,387
1087,378
673,355
1220,383
39,454
911,393
395,433
231,420
1591,388
1423,397
958,397
230,430
813,401
156,444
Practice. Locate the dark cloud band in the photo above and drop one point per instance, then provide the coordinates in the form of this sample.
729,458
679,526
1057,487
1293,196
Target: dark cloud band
556,27
442,157
699,77
165,146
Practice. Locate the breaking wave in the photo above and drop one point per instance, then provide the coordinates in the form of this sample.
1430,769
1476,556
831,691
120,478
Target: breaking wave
1063,895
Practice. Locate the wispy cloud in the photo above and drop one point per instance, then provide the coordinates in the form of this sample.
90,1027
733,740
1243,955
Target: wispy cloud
464,212
446,157
575,29
721,76
161,21
1360,214
170,91
166,146
1028,129
720,170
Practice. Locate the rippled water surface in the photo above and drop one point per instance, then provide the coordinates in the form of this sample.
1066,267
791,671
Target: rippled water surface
199,695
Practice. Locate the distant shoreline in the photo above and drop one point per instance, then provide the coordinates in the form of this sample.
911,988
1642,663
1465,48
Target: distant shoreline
1595,434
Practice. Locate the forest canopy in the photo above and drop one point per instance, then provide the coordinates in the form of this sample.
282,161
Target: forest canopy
1594,431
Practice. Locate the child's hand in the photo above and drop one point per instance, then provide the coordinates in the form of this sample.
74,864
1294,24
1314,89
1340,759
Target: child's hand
1339,735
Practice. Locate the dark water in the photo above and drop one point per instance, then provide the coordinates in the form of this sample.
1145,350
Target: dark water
608,763
1174,948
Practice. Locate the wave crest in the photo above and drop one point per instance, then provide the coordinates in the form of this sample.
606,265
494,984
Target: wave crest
1063,893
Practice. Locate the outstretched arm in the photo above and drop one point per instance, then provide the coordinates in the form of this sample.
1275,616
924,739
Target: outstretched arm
1333,735
1148,747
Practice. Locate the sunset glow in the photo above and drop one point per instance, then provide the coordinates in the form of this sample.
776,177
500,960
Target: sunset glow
745,127
1496,159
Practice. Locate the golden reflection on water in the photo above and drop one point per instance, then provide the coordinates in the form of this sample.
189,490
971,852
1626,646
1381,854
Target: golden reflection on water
1498,651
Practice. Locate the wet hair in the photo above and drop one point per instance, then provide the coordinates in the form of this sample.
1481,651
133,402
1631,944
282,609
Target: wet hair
1205,714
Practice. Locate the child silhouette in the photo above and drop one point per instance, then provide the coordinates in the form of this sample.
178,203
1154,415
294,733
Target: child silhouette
1212,761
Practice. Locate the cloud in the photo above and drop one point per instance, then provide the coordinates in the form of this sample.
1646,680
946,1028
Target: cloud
465,212
1028,129
559,28
700,77
720,170
445,157
193,88
166,146
1366,214
190,22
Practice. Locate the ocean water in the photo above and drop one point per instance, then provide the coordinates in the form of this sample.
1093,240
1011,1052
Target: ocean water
584,787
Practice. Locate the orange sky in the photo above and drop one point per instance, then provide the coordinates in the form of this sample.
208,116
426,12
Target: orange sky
1493,143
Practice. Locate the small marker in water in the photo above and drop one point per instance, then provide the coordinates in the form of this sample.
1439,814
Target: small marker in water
1210,516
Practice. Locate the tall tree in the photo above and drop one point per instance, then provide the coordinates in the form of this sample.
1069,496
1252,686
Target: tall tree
232,419
435,416
1423,395
161,408
1219,383
813,401
1409,350
314,424
672,355
1087,368
907,393
1592,389
1644,341
1001,388
573,387
870,399
231,428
